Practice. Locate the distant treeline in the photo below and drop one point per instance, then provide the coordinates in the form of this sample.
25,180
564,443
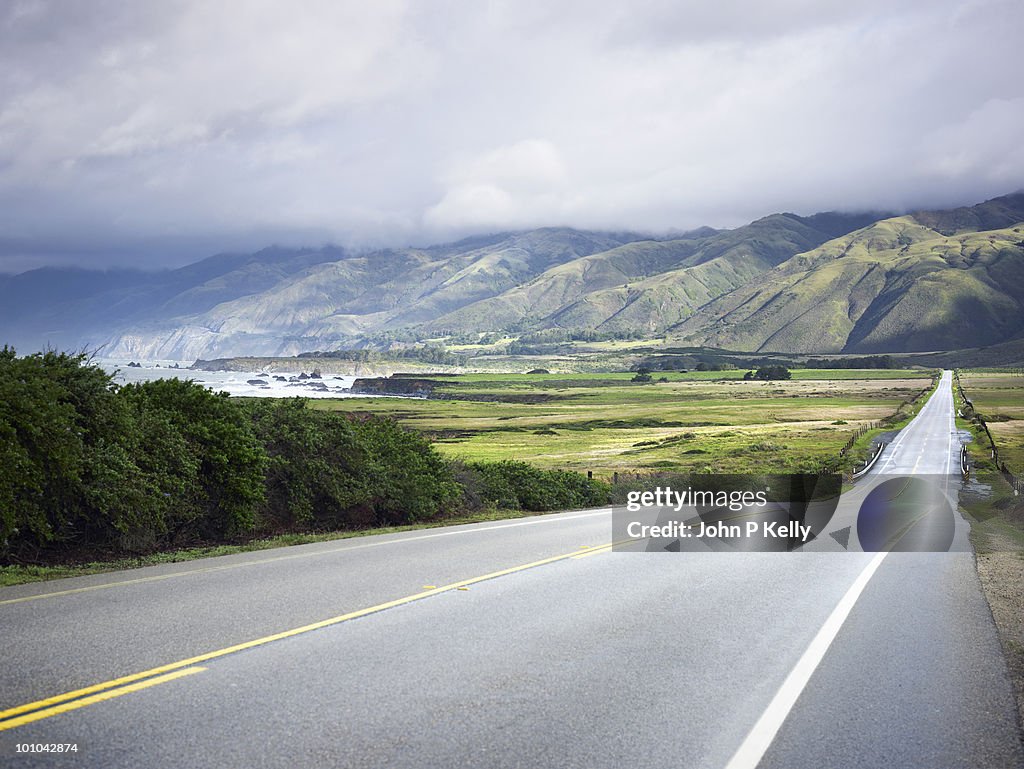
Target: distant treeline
382,345
769,374
709,362
868,361
386,340
555,341
551,335
540,336
87,466
425,353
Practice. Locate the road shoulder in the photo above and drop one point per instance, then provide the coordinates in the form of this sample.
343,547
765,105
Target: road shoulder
1000,567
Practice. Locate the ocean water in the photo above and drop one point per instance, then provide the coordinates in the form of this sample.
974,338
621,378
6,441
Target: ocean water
234,382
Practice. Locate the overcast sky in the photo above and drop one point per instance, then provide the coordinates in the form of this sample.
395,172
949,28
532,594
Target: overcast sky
157,133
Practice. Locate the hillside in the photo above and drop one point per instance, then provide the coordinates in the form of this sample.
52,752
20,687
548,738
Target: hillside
553,277
867,283
895,286
71,308
649,286
344,300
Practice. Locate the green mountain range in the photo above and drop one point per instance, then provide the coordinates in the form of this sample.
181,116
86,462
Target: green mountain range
896,286
864,283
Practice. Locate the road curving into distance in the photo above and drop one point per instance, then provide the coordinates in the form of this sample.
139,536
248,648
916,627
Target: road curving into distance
526,643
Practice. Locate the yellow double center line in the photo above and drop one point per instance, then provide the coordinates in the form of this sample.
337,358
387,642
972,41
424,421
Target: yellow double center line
80,698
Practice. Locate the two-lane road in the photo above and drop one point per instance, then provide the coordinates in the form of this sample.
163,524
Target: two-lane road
524,643
927,449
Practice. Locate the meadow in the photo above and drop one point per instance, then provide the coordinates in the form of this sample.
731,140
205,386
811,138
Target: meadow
999,398
697,421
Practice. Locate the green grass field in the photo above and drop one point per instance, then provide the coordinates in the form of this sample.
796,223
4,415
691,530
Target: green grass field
527,380
999,398
699,421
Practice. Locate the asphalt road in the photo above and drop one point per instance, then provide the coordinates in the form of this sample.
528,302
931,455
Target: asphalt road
474,654
927,449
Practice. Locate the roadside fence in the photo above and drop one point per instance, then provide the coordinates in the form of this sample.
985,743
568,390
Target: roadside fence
1016,482
859,432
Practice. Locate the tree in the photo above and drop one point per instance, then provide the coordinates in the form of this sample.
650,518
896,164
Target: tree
218,441
409,480
68,470
317,469
335,470
773,373
40,452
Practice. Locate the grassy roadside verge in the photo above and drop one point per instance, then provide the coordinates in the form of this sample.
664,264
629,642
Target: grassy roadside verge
20,575
997,530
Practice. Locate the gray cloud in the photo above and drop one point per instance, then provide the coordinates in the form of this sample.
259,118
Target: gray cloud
156,133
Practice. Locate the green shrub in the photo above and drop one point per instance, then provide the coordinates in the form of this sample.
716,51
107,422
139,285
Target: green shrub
331,470
772,373
315,471
409,480
41,447
85,464
216,463
68,472
520,486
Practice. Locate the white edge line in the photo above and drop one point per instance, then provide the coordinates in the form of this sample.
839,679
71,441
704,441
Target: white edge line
896,444
950,431
757,742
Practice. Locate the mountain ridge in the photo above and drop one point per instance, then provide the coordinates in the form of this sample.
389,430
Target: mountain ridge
830,282
895,286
